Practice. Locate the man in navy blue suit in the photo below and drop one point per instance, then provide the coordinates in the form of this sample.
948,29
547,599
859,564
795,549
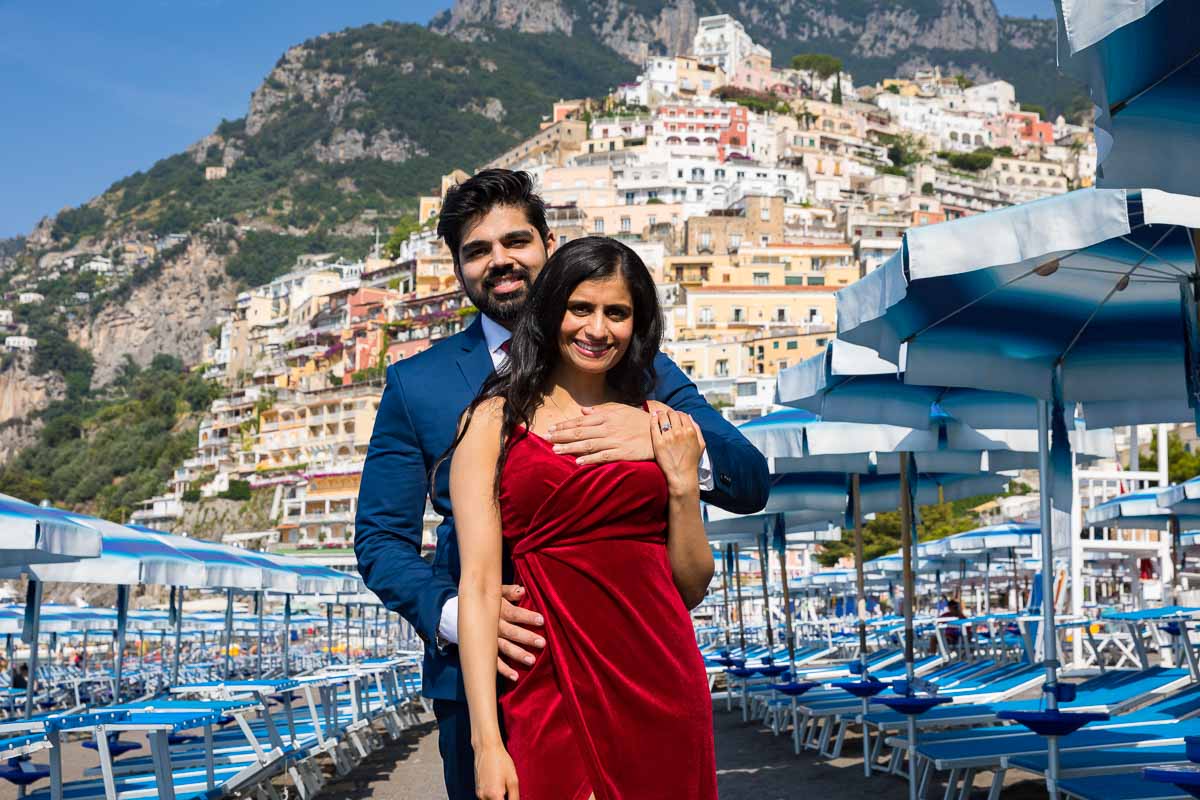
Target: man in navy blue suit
495,228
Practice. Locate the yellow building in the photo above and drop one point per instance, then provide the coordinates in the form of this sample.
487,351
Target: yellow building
320,514
327,427
759,221
580,186
709,359
431,205
772,352
716,310
801,264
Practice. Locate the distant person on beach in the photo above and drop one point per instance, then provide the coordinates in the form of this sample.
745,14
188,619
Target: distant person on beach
495,228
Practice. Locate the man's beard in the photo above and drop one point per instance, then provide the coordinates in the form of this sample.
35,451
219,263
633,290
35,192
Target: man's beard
505,308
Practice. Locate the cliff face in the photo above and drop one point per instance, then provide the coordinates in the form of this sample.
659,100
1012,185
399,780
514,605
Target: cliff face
875,38
169,314
22,395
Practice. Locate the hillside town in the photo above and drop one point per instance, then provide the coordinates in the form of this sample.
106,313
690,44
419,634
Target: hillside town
752,192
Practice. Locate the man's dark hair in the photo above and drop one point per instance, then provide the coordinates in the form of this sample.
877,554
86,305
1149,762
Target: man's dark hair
466,202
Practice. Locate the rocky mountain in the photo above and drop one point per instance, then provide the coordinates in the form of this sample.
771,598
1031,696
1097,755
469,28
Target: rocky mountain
338,141
874,38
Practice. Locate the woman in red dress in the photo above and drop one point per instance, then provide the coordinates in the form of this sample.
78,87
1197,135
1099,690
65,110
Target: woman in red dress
612,556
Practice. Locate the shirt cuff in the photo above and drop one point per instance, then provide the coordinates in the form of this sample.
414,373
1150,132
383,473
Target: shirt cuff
448,626
706,474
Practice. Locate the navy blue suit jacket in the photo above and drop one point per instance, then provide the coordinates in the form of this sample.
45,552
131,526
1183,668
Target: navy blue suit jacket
417,420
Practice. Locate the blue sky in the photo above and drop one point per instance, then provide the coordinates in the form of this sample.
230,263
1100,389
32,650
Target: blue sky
92,90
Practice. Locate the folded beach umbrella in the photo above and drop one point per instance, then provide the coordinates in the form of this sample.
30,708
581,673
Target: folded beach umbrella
1141,62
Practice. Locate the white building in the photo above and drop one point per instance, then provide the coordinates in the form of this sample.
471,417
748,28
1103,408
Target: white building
992,99
722,41
30,298
24,343
6,316
101,265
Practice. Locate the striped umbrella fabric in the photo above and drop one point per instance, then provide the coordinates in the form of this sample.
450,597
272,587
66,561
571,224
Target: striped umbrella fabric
229,567
29,535
1141,62
1048,299
128,557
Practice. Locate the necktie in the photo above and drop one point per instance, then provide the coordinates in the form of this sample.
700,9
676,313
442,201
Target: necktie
504,348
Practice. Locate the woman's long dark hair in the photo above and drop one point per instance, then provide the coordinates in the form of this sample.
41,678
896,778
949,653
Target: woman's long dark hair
534,353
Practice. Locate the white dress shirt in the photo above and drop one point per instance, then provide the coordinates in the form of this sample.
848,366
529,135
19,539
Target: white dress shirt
496,335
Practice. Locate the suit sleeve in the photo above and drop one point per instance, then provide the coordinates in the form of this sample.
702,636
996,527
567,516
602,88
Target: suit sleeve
390,519
741,481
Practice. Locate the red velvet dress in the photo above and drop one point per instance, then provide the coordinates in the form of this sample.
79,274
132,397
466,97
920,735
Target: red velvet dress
618,703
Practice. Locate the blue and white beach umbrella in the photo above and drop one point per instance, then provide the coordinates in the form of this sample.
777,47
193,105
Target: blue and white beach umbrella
29,536
1181,498
1087,297
995,538
1141,62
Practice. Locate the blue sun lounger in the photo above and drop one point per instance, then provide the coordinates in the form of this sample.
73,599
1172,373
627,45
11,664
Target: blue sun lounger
1124,786
965,752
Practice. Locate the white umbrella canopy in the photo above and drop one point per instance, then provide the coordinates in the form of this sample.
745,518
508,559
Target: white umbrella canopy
29,536
230,567
1046,299
1140,61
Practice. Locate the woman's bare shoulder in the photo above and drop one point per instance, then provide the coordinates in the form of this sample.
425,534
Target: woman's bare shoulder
486,417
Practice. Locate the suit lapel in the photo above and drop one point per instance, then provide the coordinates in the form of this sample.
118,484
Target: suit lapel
475,362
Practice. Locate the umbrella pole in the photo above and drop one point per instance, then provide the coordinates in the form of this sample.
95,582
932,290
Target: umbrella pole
287,633
725,587
119,640
906,534
177,655
258,661
737,584
859,578
329,633
1048,639
765,568
1176,563
228,629
33,597
987,582
861,608
787,608
349,631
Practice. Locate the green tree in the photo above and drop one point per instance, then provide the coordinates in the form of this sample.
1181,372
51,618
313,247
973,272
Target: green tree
407,226
882,534
820,63
1182,464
